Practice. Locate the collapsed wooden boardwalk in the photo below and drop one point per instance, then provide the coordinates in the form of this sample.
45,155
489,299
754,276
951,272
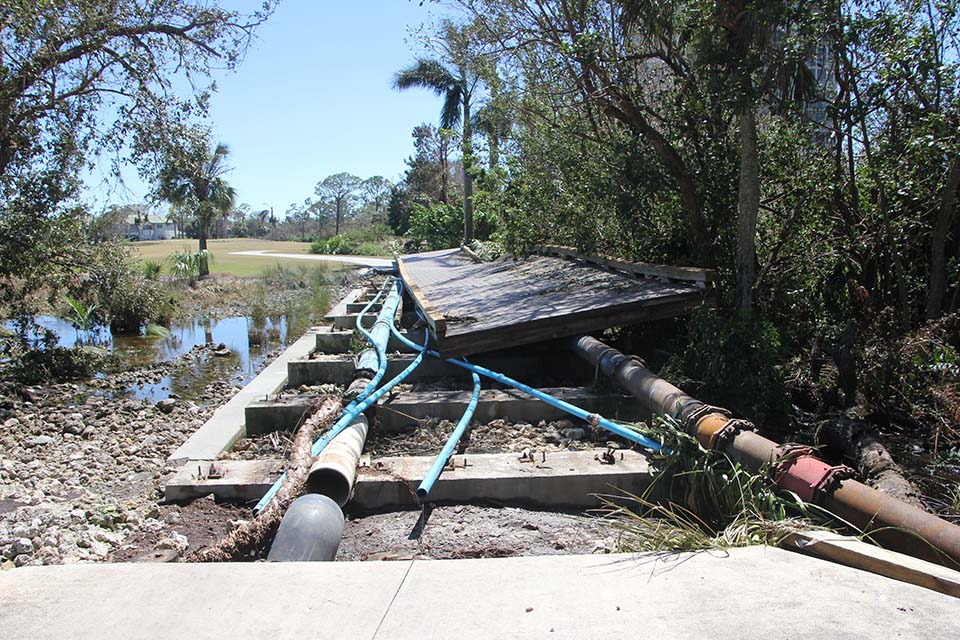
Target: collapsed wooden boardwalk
473,306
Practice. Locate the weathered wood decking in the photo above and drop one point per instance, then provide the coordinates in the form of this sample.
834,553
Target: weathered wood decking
476,307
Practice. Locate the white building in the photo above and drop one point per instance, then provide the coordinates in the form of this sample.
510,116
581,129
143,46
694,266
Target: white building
140,224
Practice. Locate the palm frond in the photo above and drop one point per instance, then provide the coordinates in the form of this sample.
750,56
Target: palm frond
426,74
450,115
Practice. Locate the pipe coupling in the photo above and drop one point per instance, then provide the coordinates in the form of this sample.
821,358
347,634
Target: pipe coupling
796,469
725,434
691,421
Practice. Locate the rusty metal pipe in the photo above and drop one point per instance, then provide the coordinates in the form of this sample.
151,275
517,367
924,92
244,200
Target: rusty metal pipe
335,469
894,523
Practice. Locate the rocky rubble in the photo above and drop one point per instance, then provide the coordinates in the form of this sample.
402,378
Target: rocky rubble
80,469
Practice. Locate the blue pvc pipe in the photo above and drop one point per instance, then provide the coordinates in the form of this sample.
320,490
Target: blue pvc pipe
437,468
388,311
352,411
376,338
593,419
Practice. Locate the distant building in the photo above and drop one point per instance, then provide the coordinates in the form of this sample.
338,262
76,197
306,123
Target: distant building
141,224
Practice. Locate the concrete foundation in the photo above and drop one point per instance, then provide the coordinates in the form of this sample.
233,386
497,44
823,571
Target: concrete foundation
405,409
242,480
509,404
527,369
331,341
567,479
771,594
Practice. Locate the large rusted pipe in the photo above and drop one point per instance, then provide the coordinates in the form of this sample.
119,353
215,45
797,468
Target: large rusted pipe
335,469
888,521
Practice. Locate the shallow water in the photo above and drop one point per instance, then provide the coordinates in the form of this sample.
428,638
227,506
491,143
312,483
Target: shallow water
249,341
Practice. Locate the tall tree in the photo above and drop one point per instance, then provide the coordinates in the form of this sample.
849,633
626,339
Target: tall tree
339,189
455,79
300,214
376,190
193,176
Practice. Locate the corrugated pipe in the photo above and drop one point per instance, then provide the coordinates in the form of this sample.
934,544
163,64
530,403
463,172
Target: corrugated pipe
437,467
335,469
889,521
593,419
379,341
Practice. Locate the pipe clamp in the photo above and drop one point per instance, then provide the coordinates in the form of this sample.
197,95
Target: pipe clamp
691,421
725,435
796,469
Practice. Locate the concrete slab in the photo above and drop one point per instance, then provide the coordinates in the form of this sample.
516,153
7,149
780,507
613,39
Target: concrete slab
565,479
339,369
281,414
242,480
349,320
754,592
405,409
336,341
226,425
747,593
340,308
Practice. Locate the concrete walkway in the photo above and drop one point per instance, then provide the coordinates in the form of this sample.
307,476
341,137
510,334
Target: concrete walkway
747,593
363,261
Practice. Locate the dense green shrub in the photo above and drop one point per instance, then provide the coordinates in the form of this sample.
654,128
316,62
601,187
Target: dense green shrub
437,226
30,355
732,362
370,240
440,226
187,265
124,297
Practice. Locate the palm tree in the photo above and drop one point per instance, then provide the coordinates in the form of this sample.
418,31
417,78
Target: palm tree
194,178
455,83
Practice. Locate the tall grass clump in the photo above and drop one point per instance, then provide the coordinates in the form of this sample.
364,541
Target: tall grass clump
186,264
700,499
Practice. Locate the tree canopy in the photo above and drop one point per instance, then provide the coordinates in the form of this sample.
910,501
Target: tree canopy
81,77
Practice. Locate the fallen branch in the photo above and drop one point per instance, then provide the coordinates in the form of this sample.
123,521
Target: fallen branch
249,538
853,440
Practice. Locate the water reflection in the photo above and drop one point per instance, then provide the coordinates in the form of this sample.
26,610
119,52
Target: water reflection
248,339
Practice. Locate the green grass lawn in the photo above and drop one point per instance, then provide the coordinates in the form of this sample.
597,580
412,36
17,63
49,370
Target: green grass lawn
225,263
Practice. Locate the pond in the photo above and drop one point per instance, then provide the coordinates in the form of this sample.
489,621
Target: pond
249,341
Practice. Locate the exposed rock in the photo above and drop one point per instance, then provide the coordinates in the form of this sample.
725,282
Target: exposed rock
167,405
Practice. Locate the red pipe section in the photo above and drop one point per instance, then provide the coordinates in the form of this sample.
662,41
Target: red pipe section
888,521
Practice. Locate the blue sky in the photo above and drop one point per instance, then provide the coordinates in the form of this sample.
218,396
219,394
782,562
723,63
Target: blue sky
313,98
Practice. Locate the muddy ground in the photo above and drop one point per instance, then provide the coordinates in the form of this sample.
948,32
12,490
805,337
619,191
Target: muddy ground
473,531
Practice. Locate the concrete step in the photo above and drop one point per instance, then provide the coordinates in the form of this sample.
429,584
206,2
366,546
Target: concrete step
404,409
334,341
556,480
226,425
771,594
544,369
357,307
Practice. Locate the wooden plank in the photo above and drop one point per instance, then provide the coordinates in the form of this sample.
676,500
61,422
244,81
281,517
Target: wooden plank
685,274
434,318
857,553
542,329
494,305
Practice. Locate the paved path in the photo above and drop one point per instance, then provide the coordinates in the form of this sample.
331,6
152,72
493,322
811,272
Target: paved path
363,261
758,592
